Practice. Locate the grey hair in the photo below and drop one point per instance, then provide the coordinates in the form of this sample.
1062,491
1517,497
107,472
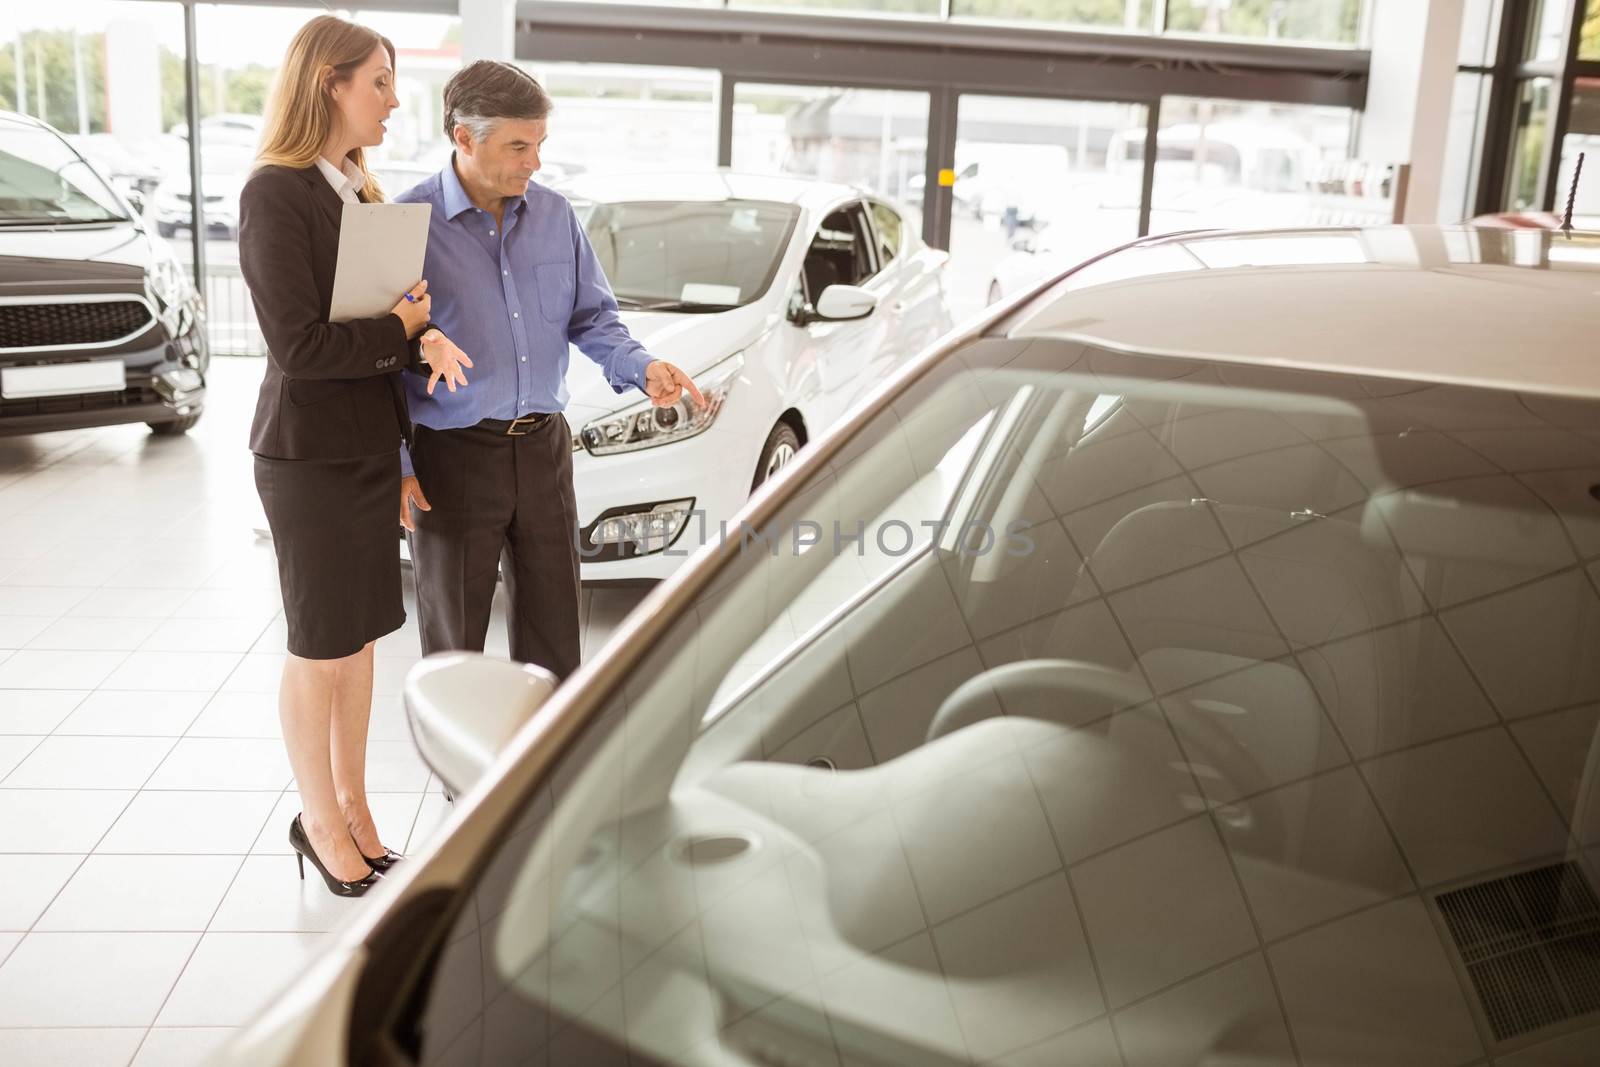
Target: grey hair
481,94
479,126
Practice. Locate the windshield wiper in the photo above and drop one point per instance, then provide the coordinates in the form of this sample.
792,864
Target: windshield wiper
62,222
691,306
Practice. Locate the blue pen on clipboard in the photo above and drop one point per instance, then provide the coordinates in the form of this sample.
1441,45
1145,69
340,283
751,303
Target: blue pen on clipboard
410,299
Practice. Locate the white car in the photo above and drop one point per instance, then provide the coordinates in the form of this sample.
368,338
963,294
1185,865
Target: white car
785,299
1241,707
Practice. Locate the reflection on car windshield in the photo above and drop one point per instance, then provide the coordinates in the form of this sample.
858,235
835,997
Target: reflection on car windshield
42,180
688,256
1092,708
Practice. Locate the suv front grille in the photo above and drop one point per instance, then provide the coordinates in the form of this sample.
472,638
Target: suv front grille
52,325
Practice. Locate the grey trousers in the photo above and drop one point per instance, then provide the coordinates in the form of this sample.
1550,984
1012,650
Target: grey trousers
497,497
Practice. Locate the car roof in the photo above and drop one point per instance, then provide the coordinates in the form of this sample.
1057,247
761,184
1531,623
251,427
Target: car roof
712,184
1515,309
16,118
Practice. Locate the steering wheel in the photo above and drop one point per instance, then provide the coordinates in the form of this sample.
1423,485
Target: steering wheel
1035,689
1024,682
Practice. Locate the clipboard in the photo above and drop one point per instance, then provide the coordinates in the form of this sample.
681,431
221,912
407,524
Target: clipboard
380,258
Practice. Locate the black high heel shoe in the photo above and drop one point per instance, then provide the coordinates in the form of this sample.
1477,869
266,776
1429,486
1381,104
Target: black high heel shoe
303,851
383,862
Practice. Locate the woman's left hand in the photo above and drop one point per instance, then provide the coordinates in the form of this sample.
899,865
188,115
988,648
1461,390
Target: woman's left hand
445,361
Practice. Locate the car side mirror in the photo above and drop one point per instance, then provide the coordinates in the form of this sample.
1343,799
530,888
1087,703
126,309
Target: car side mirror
844,303
1024,244
464,707
136,201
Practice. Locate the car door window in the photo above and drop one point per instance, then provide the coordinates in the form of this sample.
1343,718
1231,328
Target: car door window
1207,712
841,253
886,223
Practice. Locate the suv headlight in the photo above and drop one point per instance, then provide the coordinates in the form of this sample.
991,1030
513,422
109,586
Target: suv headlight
645,426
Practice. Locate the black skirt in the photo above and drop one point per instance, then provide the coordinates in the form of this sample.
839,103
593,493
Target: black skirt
335,529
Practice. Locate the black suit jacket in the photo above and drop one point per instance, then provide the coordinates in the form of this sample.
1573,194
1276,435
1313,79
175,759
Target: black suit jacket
332,390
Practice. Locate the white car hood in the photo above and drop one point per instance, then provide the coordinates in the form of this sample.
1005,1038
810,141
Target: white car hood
694,342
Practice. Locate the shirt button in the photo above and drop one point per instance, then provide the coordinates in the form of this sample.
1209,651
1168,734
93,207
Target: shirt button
515,315
506,273
524,359
491,233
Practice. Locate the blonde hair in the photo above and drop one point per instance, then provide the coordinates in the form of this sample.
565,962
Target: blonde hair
300,111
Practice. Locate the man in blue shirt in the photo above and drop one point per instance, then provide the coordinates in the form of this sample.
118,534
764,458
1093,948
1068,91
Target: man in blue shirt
489,475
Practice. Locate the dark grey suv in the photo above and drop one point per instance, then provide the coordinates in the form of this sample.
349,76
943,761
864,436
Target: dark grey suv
99,324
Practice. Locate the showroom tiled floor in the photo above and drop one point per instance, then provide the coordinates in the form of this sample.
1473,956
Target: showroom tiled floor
148,901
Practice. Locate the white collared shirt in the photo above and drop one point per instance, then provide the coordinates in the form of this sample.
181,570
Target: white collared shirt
345,181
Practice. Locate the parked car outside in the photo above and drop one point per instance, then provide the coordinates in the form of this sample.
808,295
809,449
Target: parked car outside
1210,685
99,322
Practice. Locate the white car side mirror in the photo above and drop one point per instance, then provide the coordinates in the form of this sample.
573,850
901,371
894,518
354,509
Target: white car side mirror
843,303
463,707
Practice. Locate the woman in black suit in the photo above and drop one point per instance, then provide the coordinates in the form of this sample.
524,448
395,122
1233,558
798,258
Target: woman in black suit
328,426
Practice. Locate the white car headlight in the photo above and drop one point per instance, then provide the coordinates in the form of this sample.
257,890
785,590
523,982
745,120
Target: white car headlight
645,426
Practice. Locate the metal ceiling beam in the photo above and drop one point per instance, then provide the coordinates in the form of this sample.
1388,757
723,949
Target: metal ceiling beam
918,53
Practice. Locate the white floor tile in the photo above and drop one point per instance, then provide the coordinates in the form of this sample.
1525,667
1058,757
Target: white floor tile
256,673
35,669
224,763
182,1047
1375,989
189,671
230,604
1161,910
57,820
128,604
239,715
158,893
39,600
232,975
27,886
77,634
187,823
1229,1013
434,811
269,895
69,1048
1312,851
129,713
14,748
17,630
36,711
395,767
206,635
1465,805
97,979
1034,930
389,674
90,763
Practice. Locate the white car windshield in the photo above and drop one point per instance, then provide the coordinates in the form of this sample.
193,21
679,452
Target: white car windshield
1087,701
688,255
43,181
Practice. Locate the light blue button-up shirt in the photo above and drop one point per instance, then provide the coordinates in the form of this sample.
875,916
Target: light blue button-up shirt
512,297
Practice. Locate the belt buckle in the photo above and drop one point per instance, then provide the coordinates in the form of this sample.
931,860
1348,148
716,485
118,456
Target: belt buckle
532,421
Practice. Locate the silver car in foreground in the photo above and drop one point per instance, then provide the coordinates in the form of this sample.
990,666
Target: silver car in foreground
1195,662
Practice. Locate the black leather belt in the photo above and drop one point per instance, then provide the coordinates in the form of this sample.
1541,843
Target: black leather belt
518,427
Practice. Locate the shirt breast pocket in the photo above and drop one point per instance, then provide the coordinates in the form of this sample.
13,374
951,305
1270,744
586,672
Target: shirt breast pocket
555,282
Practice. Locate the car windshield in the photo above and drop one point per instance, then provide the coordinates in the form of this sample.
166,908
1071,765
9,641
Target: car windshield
1088,707
43,181
688,255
